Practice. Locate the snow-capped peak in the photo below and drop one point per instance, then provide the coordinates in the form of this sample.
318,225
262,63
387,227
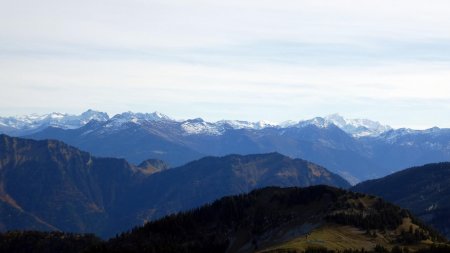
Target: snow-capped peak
265,123
199,126
394,135
318,122
358,127
131,116
288,123
159,116
337,119
57,115
354,127
240,124
34,122
137,118
94,115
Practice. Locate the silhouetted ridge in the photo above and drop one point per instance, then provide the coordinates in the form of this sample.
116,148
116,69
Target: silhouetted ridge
271,219
261,219
424,190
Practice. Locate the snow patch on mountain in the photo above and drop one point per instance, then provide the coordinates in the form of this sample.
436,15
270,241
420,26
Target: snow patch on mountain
199,126
60,120
358,127
137,118
35,122
318,122
287,123
355,127
239,124
412,137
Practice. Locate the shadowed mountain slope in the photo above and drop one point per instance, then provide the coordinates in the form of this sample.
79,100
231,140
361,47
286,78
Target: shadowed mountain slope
424,190
48,185
280,220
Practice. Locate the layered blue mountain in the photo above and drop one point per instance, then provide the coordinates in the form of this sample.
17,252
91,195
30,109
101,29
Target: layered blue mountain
424,190
49,185
355,149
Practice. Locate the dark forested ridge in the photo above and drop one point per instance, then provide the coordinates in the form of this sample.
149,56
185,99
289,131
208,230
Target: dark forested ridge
424,190
48,185
266,220
46,242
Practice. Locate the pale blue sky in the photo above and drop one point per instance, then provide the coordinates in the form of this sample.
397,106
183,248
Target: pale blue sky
250,60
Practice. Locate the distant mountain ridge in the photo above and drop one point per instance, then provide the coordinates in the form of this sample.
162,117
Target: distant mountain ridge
49,185
354,127
355,149
27,124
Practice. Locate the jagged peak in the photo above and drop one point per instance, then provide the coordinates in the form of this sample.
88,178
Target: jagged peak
91,112
242,124
135,116
55,119
354,127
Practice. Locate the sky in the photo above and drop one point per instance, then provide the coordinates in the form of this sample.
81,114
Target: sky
250,60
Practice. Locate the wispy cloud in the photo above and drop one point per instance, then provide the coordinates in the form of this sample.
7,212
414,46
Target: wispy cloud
234,59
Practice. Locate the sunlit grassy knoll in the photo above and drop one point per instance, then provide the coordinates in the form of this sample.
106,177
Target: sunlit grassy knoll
332,237
338,237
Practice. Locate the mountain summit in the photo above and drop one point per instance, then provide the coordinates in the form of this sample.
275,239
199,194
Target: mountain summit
355,127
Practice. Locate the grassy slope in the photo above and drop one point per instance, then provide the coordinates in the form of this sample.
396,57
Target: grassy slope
338,237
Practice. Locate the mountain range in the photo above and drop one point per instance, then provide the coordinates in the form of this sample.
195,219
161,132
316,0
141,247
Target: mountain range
26,124
49,185
424,190
355,149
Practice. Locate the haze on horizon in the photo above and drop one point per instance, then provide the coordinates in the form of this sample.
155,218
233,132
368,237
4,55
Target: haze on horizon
249,60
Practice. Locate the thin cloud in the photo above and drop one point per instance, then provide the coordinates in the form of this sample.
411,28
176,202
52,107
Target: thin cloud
231,59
